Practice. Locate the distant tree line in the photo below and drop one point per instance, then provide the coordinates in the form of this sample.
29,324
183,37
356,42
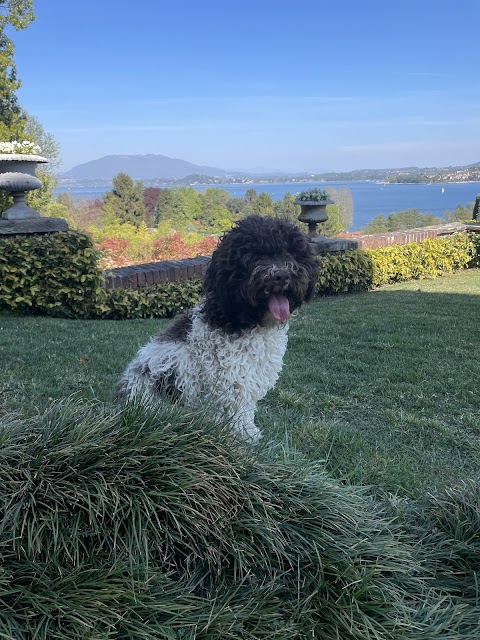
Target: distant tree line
212,211
413,218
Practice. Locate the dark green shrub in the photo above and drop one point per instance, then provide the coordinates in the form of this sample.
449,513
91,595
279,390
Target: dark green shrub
54,274
159,301
343,272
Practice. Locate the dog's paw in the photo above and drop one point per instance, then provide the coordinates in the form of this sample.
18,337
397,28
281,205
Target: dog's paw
250,432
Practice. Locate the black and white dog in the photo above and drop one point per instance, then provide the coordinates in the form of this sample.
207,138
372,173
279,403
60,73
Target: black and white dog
228,350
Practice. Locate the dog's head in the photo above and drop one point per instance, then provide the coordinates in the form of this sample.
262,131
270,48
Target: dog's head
260,272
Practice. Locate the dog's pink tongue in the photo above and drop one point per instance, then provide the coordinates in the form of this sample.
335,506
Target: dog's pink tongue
279,307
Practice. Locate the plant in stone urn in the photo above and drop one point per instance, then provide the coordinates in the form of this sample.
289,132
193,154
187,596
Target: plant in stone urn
18,161
313,204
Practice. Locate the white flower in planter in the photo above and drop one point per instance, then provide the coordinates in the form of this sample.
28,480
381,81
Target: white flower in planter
25,147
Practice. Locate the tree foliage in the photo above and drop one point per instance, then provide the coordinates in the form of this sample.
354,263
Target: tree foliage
125,202
41,199
18,14
462,213
15,124
214,210
476,207
163,208
401,221
150,197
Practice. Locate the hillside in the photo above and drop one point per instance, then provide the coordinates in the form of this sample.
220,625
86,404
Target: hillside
161,170
139,167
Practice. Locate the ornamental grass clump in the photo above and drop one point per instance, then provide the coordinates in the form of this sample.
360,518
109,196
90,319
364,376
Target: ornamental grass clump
448,524
147,523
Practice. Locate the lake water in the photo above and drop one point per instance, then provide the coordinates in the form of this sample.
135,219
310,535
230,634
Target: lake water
369,198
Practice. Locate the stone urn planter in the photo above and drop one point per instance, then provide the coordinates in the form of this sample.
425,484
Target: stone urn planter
312,214
313,204
17,176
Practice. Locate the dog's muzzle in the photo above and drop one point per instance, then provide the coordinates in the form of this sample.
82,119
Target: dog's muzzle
277,302
280,280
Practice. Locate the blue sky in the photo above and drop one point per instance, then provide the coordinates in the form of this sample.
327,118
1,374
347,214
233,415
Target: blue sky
297,85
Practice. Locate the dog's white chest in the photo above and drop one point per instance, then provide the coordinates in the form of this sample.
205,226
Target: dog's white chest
246,365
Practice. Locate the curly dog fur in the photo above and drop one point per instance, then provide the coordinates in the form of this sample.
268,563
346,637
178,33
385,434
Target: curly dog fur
228,350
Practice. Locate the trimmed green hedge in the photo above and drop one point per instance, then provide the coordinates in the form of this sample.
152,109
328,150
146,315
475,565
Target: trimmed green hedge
53,274
58,275
343,272
159,301
358,270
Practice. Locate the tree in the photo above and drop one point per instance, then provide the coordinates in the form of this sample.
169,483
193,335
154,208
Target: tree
476,207
186,207
411,219
41,199
18,14
378,224
333,226
462,213
215,216
262,205
80,214
150,197
401,221
163,208
125,201
343,199
287,209
211,197
236,207
16,124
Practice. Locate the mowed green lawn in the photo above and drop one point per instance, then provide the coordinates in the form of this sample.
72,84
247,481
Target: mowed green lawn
383,385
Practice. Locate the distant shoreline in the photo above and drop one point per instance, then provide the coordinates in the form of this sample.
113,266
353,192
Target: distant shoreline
168,185
370,197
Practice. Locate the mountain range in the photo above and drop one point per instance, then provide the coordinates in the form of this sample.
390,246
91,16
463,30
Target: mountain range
158,169
138,167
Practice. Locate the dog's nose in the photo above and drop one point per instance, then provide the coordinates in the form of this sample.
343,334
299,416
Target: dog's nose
281,277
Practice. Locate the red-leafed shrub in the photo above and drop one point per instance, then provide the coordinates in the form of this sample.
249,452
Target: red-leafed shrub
171,247
205,247
114,252
142,247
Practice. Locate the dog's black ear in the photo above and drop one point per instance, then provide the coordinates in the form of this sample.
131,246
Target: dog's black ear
312,269
304,255
222,308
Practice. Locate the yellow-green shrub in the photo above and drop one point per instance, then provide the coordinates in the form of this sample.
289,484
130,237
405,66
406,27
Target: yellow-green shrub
427,259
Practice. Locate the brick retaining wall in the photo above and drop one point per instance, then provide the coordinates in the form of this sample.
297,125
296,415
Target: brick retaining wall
378,240
141,275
